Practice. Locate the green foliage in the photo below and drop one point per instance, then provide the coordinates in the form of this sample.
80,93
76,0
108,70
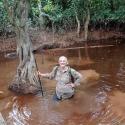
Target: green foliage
4,22
49,7
63,12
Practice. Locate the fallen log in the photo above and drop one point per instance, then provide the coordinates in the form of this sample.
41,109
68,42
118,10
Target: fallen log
72,48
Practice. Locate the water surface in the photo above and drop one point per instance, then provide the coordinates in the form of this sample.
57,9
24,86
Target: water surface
99,104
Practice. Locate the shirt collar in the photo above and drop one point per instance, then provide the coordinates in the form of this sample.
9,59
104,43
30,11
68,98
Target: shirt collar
64,70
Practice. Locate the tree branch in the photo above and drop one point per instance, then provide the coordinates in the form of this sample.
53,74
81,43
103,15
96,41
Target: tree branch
9,10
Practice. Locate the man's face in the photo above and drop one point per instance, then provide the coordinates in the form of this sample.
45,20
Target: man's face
62,62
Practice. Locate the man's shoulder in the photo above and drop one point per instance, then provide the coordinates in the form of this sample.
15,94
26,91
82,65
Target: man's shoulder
72,69
55,67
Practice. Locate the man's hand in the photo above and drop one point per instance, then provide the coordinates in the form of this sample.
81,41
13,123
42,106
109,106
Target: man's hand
42,74
38,73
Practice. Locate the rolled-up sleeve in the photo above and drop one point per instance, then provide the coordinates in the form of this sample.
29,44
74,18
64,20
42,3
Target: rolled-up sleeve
52,74
77,76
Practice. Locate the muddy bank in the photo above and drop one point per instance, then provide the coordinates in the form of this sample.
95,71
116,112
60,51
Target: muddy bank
48,40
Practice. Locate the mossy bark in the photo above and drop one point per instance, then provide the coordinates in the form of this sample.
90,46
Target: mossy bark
26,80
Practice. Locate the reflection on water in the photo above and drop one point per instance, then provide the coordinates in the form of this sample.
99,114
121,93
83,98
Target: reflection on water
99,104
18,115
121,74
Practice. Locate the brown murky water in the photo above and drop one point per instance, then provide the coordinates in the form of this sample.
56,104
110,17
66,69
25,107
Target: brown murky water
98,104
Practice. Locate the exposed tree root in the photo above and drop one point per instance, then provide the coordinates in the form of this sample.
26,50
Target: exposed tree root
24,88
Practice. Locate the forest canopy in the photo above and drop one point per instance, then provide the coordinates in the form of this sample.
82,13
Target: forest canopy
65,14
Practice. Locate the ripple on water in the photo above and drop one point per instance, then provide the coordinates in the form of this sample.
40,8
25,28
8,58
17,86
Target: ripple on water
86,108
114,113
18,115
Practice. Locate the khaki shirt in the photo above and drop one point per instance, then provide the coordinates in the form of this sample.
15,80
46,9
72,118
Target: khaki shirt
64,77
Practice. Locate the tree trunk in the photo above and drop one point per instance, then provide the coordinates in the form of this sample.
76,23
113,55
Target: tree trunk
53,30
112,5
26,80
86,25
41,18
78,25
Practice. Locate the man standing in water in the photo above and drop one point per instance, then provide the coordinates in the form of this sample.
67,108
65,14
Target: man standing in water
67,79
